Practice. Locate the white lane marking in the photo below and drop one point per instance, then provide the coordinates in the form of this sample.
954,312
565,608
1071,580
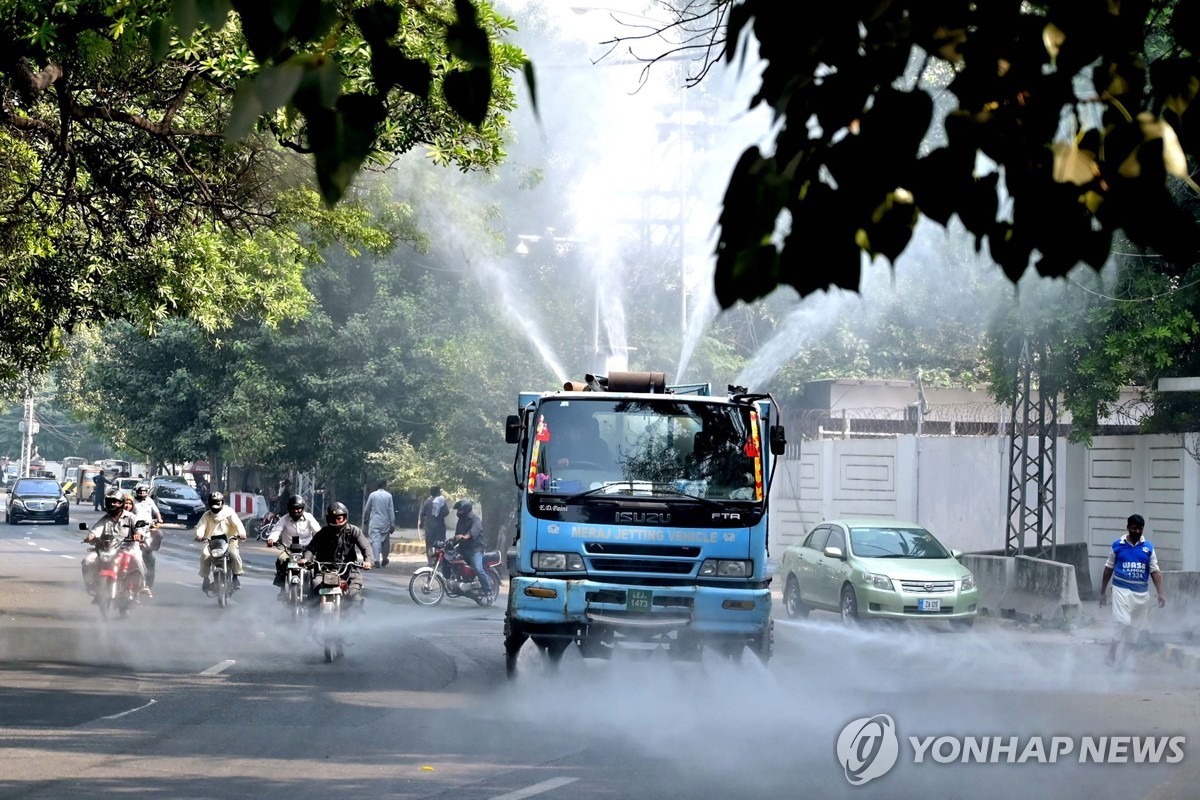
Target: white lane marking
44,549
537,788
181,583
30,541
130,711
217,669
60,555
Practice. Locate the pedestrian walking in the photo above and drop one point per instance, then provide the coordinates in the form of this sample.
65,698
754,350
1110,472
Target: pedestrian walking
100,485
1131,566
379,515
431,520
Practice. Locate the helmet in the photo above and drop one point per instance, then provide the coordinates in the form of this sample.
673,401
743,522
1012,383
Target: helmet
336,515
216,501
464,506
142,491
113,501
295,503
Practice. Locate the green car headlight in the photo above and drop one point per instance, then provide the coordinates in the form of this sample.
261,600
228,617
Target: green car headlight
878,581
968,582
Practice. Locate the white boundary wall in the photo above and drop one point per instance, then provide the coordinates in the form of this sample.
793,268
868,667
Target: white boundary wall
958,488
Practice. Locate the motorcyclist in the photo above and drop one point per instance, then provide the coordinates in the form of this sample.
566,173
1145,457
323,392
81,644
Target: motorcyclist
220,519
296,525
339,542
120,523
146,509
468,533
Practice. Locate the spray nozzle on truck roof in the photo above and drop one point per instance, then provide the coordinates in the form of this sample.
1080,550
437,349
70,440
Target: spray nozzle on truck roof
647,382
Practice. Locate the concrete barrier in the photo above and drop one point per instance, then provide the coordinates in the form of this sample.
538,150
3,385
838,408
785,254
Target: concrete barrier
1026,588
1180,617
1045,590
993,576
1073,553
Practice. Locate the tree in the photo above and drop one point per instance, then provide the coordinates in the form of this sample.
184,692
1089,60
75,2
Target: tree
152,153
1098,336
1085,109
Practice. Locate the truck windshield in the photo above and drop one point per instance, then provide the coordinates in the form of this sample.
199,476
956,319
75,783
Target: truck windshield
704,449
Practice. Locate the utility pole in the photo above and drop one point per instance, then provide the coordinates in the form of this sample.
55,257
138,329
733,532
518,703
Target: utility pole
29,427
1032,461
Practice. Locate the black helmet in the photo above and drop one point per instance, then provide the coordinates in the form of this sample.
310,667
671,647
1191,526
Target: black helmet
295,503
216,501
113,501
464,506
336,515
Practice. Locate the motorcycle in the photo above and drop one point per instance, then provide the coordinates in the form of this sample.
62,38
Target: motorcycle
297,581
118,578
220,573
262,528
331,582
452,576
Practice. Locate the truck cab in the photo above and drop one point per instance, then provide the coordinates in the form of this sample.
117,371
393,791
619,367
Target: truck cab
643,519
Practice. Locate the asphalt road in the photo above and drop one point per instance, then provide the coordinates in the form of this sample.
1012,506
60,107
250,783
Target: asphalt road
184,699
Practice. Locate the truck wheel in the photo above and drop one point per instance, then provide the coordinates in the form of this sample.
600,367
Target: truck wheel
764,645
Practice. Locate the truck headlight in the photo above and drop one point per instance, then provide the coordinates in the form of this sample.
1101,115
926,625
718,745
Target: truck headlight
878,581
558,562
724,568
968,582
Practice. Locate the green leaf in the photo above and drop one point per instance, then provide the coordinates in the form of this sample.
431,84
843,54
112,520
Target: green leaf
531,82
160,39
378,22
245,111
466,39
285,12
274,86
214,12
186,17
468,92
390,67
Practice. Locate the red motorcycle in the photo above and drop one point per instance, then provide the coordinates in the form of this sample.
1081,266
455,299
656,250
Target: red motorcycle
452,576
119,578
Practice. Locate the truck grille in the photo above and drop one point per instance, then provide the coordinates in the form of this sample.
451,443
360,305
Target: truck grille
666,551
922,587
642,565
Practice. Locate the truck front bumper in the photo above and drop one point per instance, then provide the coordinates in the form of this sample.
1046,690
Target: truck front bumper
700,609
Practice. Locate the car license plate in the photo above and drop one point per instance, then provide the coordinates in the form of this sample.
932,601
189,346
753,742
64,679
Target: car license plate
331,590
929,605
638,600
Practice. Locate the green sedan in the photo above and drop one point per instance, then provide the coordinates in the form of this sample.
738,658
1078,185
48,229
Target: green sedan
878,569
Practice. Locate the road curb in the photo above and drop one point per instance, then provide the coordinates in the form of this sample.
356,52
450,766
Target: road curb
408,548
1183,656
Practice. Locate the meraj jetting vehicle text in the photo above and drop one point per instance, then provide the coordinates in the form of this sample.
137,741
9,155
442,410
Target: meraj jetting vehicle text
643,518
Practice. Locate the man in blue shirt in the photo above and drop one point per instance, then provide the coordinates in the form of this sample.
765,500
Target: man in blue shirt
1131,566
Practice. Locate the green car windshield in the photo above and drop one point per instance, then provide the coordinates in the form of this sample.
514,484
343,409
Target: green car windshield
884,542
609,446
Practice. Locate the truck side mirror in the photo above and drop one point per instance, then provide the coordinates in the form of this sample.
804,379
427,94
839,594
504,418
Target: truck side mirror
778,440
512,429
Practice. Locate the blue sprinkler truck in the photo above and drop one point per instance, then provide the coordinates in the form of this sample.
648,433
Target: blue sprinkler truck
643,519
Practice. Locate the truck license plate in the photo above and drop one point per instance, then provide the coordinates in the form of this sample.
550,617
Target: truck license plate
638,600
929,605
